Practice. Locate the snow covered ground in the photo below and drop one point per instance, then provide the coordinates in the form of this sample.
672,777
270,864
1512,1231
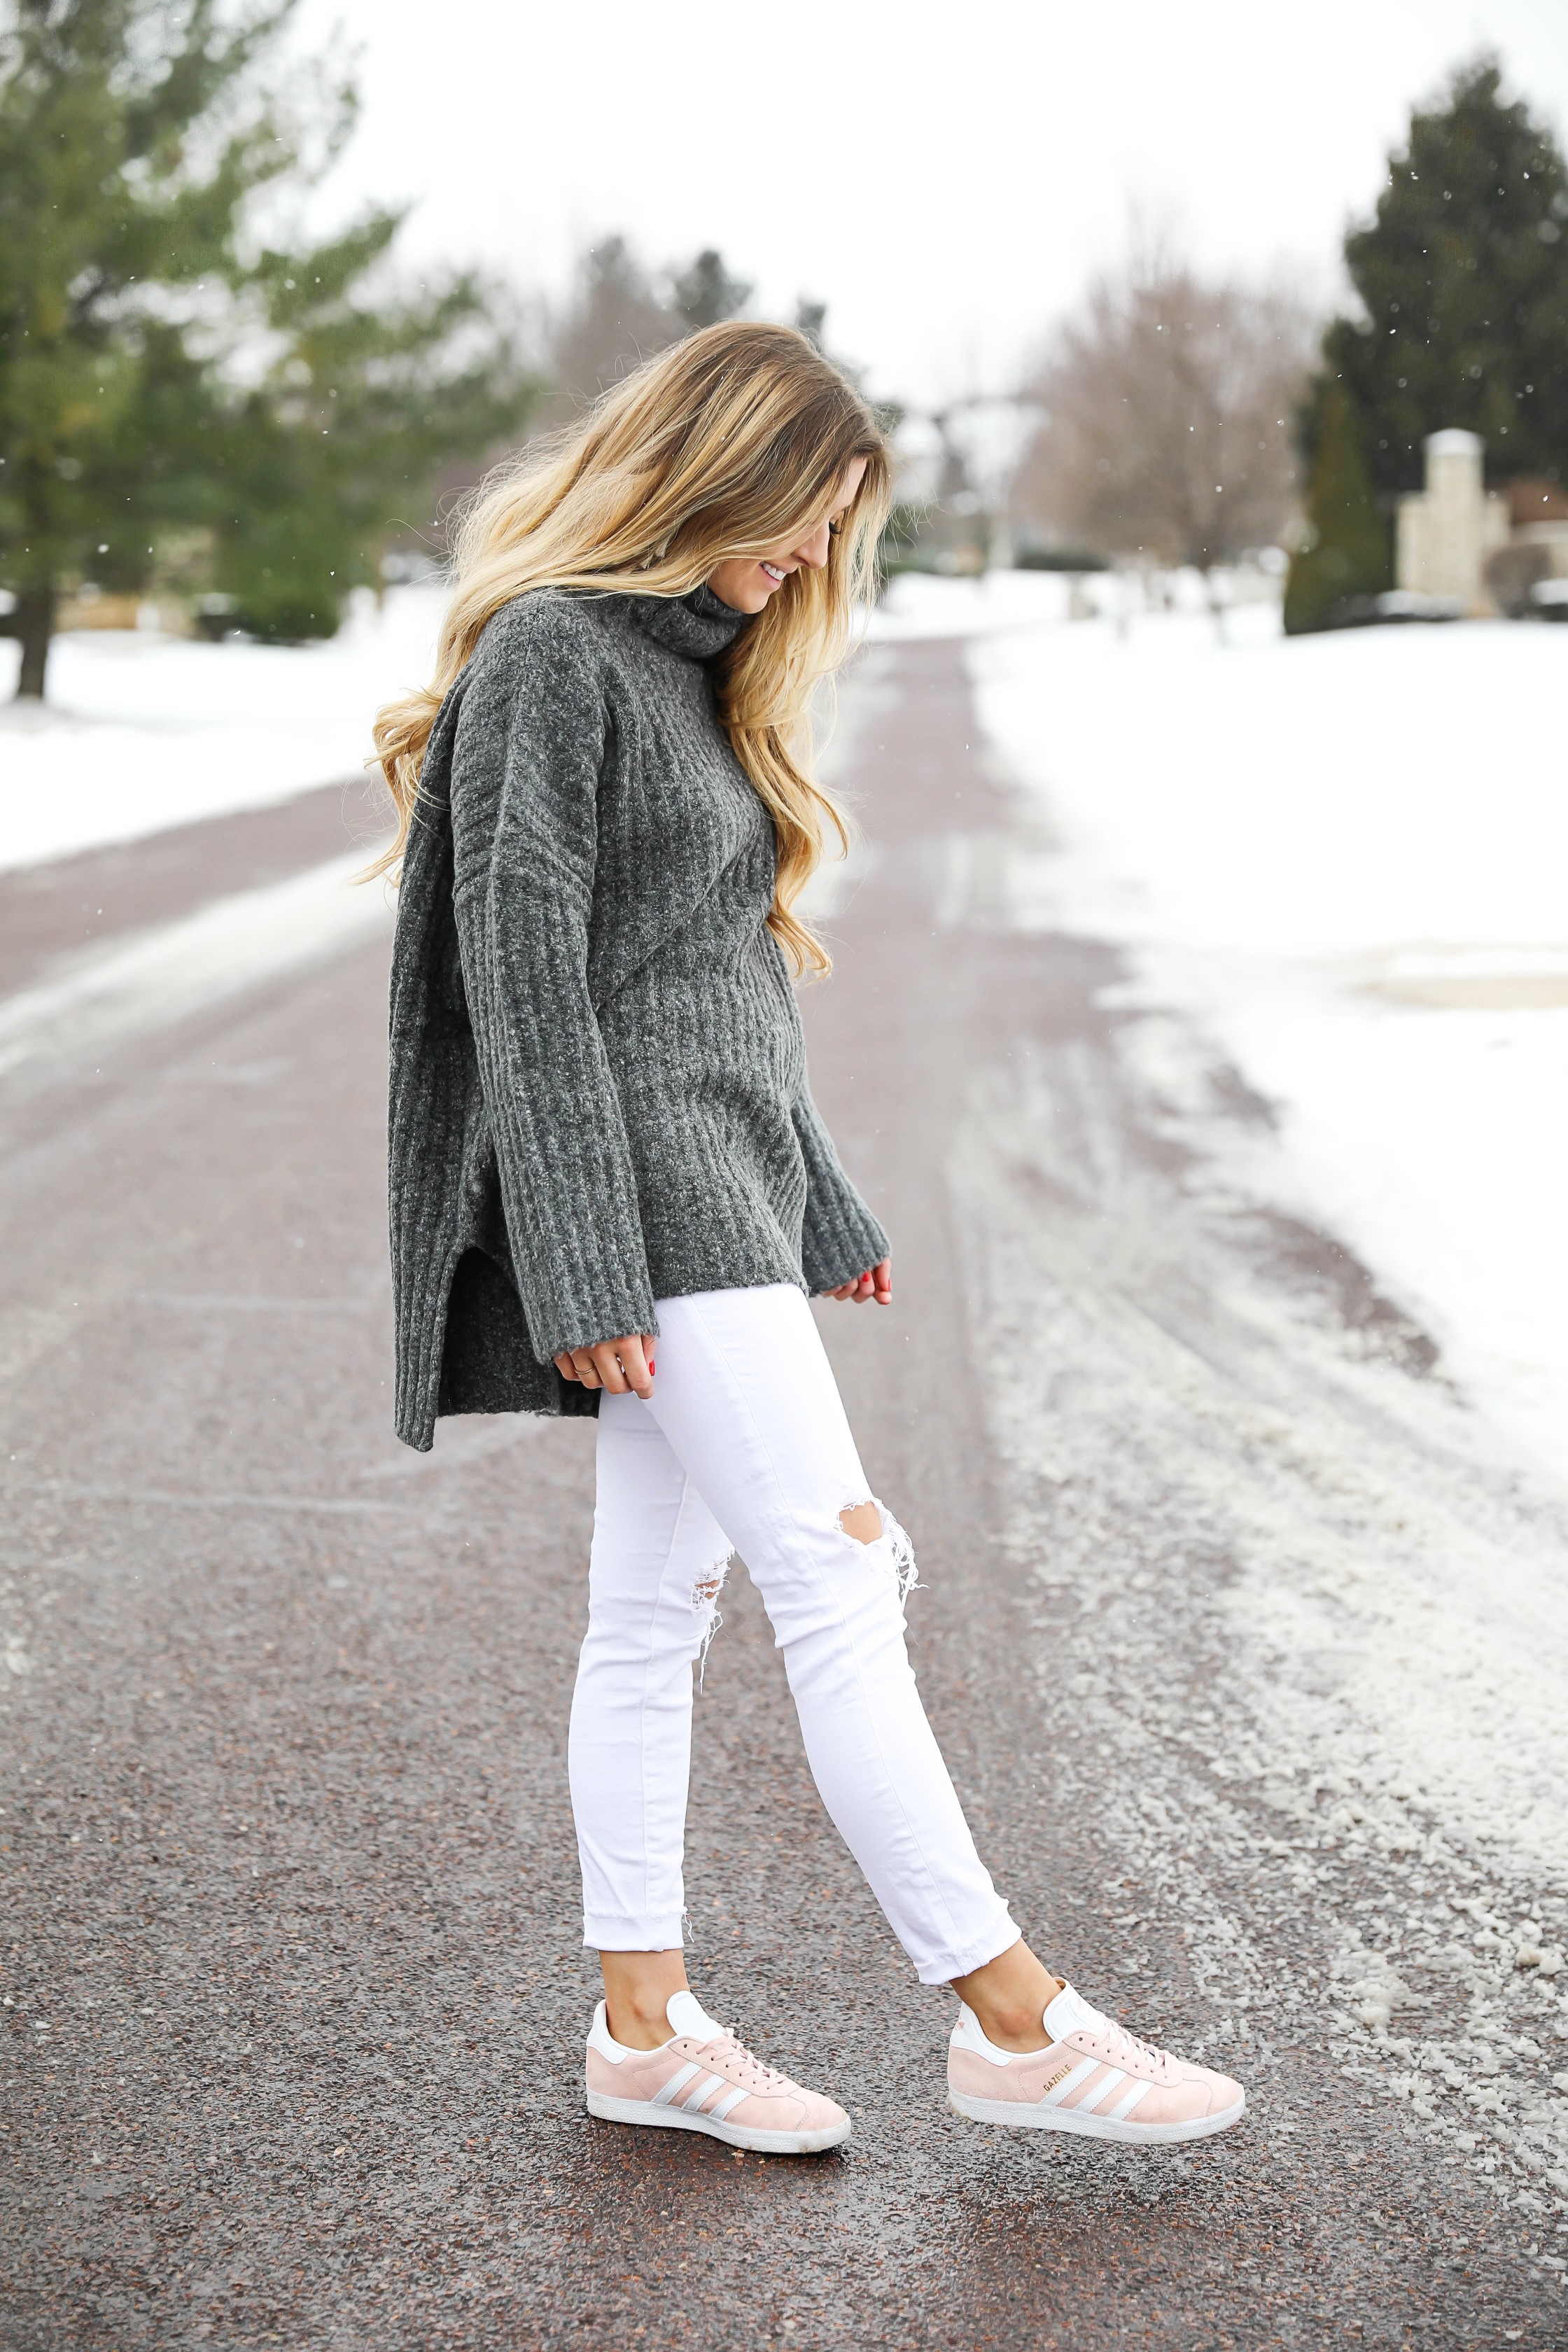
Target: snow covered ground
1318,1592
1343,857
142,730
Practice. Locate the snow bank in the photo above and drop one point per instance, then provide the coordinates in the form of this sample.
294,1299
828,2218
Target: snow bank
1346,855
929,604
143,731
188,966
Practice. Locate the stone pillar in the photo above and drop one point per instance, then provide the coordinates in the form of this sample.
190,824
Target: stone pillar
1447,531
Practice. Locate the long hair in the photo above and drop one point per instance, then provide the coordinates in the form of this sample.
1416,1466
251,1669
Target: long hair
732,442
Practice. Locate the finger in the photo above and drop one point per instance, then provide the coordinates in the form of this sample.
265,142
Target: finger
634,1364
566,1367
882,1275
607,1364
587,1372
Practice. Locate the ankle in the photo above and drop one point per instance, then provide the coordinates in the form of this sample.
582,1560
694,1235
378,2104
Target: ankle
637,1988
1011,2026
1010,1996
637,2024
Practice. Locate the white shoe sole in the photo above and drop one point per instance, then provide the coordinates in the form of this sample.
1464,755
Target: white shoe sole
1014,2112
761,2143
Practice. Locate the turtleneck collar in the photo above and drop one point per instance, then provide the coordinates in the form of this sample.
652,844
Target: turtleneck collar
697,626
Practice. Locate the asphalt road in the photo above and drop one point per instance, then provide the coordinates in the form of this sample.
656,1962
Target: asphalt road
294,1995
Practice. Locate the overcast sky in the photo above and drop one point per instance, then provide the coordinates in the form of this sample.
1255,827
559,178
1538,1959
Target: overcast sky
943,176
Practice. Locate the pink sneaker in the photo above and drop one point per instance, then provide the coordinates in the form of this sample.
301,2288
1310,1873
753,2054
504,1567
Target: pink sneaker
704,2081
1095,2078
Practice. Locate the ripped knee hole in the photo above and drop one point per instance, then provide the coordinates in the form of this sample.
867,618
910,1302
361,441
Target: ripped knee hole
868,1523
863,1521
706,1587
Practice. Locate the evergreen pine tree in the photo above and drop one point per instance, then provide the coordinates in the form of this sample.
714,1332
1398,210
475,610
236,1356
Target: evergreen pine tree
336,448
100,211
704,292
133,138
1464,277
1348,554
810,320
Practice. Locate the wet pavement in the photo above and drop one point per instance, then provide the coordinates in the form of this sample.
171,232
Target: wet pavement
294,1993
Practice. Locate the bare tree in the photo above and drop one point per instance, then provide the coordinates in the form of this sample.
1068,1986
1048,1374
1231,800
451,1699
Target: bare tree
1166,433
620,312
614,316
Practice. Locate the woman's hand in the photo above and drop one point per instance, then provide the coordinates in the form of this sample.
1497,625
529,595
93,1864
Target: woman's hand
876,1284
612,1365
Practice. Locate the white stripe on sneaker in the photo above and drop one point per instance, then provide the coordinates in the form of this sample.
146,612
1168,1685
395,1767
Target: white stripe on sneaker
676,2081
1080,2074
1109,2089
727,2105
704,2090
1125,2104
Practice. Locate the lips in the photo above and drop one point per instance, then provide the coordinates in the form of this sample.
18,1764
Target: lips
774,571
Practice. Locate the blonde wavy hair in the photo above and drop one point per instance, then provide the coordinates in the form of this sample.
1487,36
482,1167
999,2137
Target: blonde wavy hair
732,442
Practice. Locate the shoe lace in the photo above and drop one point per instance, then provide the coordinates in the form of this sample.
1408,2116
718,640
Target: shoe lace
754,2075
1160,2060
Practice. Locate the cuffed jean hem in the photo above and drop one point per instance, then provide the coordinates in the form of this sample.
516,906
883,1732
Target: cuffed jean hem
1002,1936
601,1933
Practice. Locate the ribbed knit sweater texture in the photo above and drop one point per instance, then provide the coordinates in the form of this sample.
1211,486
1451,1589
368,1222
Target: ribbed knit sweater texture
598,1088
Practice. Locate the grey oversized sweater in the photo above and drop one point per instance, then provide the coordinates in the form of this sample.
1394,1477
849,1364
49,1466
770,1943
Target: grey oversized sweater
598,1092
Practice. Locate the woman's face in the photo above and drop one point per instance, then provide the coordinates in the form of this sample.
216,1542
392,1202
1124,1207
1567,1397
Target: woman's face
745,582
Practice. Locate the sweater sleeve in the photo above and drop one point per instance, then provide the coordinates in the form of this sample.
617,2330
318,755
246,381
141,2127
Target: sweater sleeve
525,777
840,1237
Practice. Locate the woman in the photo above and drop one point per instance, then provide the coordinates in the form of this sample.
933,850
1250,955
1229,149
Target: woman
611,1192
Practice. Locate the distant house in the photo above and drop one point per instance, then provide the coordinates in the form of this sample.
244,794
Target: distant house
1475,551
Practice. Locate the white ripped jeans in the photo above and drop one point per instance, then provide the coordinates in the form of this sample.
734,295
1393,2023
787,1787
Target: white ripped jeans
744,1444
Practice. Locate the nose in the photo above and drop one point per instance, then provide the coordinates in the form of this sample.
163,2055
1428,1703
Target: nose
814,550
